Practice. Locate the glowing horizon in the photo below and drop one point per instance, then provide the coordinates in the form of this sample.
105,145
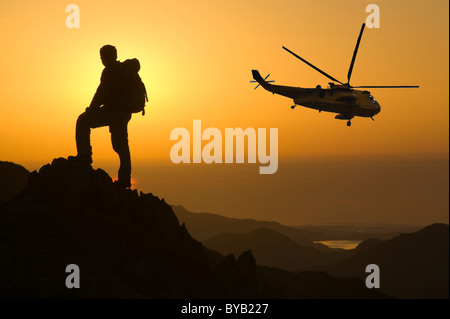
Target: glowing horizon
197,66
196,60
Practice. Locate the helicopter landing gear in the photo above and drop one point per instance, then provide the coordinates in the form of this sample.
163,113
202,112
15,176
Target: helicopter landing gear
349,123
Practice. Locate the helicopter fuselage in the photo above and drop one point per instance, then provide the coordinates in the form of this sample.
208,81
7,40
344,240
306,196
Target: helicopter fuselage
347,102
341,99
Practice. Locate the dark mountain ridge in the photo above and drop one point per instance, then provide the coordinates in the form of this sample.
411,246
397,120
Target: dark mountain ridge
127,245
203,226
13,178
414,265
273,249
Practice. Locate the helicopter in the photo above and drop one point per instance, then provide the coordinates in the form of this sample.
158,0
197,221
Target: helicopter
341,98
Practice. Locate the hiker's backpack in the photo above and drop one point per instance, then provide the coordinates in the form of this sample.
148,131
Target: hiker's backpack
137,94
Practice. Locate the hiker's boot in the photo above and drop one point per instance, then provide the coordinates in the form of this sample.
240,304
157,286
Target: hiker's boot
122,183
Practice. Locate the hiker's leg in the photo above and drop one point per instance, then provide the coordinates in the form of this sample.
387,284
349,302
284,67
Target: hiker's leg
119,139
86,121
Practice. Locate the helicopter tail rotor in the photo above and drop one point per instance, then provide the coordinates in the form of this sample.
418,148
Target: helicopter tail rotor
288,91
261,79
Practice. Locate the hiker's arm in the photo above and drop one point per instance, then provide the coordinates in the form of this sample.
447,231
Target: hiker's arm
98,98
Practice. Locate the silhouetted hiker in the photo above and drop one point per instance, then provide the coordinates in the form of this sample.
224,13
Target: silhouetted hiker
109,107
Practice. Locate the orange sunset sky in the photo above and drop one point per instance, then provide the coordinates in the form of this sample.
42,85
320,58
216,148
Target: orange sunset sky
196,61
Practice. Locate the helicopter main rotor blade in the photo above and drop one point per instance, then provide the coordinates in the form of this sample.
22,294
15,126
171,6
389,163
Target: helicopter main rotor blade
314,67
386,87
350,70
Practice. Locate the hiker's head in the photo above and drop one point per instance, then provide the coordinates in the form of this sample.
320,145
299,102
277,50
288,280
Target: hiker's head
108,54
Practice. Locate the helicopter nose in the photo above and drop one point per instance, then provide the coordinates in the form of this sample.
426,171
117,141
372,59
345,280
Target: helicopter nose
378,107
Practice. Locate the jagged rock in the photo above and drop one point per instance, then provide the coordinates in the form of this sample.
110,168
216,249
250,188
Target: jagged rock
13,178
126,244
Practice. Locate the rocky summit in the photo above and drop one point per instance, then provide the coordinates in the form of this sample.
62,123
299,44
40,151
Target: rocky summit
126,244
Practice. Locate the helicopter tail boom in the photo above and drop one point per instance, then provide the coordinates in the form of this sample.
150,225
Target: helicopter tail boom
287,91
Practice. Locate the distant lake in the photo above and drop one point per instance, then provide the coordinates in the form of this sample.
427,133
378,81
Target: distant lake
344,244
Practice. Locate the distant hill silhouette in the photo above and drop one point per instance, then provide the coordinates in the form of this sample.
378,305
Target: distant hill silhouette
13,179
360,232
275,250
367,244
127,245
412,265
203,226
